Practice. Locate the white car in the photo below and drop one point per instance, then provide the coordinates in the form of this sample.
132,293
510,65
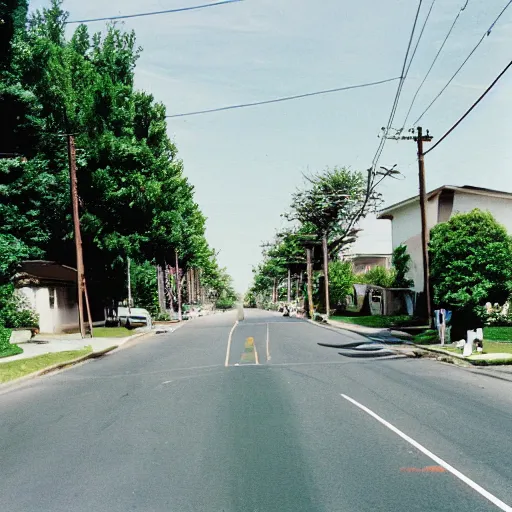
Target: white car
134,317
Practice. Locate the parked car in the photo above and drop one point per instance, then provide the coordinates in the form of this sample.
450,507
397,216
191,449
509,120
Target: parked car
133,317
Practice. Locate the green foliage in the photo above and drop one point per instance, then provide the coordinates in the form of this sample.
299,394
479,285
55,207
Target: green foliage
333,202
144,286
498,333
401,262
470,263
15,312
379,321
341,281
377,276
225,303
134,198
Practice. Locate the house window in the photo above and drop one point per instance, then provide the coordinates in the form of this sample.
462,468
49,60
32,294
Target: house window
52,297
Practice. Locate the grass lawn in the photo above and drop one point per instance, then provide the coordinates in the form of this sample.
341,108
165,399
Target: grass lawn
498,334
21,367
11,350
379,321
490,347
111,332
428,337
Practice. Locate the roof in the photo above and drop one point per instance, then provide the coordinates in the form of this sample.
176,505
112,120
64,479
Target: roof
467,189
38,271
361,255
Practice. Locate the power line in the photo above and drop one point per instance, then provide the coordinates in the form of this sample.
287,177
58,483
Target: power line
285,98
433,62
486,33
167,11
420,36
470,109
403,76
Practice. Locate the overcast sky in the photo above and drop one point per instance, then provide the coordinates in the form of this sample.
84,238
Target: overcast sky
245,163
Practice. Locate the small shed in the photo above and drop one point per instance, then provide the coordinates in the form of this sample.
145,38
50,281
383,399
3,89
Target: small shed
51,291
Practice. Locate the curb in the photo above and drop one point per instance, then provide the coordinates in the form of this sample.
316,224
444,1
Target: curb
50,369
473,362
368,335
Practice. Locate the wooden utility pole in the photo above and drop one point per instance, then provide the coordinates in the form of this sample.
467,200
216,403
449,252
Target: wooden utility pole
178,285
129,283
80,278
326,274
160,280
425,235
309,263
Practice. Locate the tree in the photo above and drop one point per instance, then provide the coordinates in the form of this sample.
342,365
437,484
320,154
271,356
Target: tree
401,262
334,202
470,264
134,198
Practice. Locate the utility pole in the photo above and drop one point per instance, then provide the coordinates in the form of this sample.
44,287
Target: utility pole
326,274
78,239
309,263
178,285
129,284
160,281
425,235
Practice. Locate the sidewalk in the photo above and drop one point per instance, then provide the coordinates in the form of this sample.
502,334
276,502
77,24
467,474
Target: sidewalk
50,343
376,334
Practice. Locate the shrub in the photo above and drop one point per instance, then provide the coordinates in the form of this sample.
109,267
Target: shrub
378,276
470,264
401,263
224,303
341,280
15,311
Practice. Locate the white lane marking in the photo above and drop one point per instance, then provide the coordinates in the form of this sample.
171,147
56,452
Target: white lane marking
226,362
256,358
486,494
268,347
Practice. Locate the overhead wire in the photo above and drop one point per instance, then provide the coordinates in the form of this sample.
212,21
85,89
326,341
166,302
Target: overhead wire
420,36
434,61
485,34
471,108
403,76
284,98
154,13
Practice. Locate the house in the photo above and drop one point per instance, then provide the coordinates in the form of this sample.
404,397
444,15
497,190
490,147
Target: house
362,263
441,204
51,291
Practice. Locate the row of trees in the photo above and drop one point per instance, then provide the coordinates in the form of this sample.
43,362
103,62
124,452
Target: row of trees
135,200
324,216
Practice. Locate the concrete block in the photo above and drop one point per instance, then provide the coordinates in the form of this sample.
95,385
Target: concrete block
21,336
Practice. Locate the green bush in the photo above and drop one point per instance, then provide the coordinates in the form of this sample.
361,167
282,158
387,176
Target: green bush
470,264
377,276
6,349
224,303
401,263
341,281
14,309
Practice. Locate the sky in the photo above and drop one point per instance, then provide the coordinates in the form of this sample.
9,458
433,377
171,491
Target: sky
246,163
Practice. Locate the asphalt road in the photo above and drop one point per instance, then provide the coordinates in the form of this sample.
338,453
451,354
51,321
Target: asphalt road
165,425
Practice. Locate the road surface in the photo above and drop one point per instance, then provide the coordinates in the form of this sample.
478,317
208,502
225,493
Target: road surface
256,418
